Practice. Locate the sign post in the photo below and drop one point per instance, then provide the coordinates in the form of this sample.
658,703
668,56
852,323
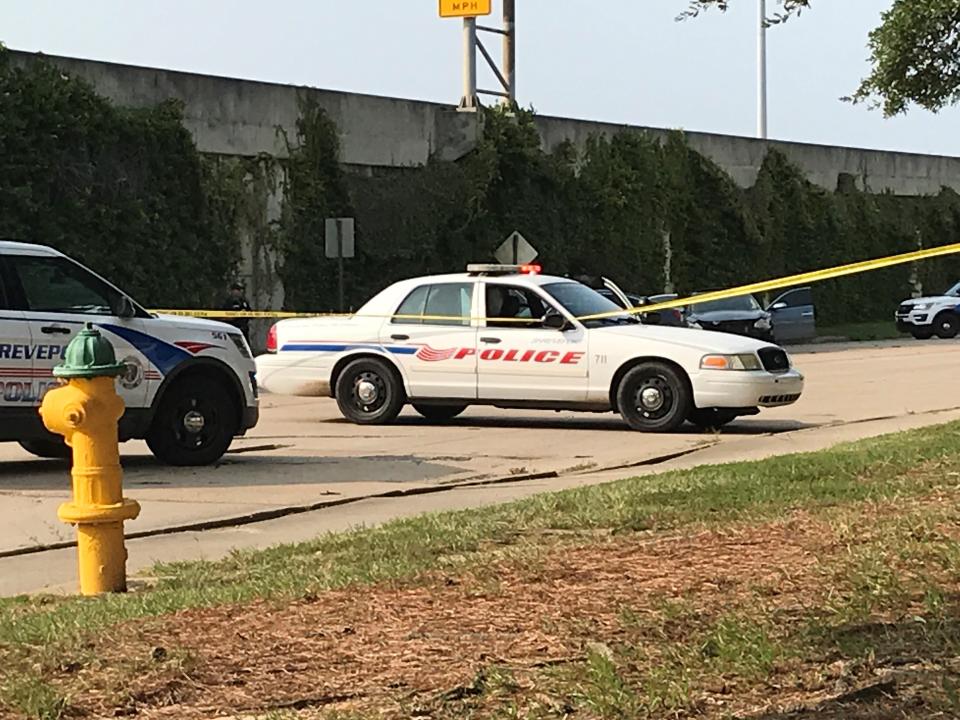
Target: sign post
339,244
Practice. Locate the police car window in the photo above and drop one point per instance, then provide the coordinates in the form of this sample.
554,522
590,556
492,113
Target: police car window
54,284
412,305
580,301
452,301
507,303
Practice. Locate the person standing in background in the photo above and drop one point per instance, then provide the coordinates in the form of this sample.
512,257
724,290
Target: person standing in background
237,301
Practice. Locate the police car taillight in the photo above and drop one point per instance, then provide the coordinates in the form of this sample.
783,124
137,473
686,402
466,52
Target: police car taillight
272,339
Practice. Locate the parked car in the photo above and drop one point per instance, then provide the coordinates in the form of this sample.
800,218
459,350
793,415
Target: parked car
928,316
668,316
791,317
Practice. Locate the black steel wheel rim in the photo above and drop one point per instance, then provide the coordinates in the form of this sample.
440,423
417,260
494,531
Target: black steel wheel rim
362,400
187,410
654,398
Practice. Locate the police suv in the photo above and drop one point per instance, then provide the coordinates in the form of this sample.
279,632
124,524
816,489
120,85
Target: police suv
510,337
189,385
928,316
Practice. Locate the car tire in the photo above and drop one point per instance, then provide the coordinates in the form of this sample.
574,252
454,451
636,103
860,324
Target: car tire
654,397
194,423
922,333
947,325
711,418
49,449
369,392
439,413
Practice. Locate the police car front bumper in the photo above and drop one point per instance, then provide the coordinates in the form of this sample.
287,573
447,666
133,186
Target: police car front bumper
745,389
911,320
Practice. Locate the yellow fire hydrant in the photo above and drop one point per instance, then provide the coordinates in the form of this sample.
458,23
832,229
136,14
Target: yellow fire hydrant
85,411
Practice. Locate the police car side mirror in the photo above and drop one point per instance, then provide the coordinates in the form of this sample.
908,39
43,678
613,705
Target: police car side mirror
554,321
125,308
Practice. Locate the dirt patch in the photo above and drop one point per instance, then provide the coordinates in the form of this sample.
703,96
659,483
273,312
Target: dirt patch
395,646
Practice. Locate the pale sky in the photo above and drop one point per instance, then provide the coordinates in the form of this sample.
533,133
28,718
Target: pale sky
614,60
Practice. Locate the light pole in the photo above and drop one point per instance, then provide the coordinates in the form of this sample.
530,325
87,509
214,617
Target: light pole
762,70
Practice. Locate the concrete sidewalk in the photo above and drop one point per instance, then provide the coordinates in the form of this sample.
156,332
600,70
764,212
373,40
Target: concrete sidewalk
55,571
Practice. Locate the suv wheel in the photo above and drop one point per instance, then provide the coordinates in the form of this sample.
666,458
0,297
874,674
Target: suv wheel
947,325
369,392
51,449
654,397
195,423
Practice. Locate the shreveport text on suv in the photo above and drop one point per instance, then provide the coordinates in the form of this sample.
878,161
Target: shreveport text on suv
189,386
928,316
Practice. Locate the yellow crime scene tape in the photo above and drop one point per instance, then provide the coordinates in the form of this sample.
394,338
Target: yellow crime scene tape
762,286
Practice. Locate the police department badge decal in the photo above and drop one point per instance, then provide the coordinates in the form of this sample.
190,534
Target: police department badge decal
133,375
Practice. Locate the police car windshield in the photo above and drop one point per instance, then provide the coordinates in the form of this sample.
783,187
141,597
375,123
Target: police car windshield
580,301
954,291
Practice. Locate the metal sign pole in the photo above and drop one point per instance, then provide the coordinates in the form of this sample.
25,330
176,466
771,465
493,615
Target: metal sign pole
510,51
340,262
469,99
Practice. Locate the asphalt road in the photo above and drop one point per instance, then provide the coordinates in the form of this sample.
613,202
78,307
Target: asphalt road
302,457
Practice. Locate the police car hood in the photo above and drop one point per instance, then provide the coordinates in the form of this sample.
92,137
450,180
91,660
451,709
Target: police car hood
196,324
705,340
932,299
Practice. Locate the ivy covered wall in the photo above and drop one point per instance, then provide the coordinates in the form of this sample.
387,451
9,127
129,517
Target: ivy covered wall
126,192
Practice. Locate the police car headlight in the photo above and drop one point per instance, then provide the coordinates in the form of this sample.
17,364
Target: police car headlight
744,361
922,306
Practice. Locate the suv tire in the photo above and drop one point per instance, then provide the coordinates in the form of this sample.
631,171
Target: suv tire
194,423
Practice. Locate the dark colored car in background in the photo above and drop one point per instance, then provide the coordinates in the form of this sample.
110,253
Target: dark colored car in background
667,316
789,318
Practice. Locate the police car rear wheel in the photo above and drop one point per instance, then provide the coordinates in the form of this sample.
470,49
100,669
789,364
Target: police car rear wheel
52,449
195,423
654,397
438,413
947,325
369,392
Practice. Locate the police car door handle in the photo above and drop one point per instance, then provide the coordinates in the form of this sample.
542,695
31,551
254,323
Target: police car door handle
399,337
491,340
54,330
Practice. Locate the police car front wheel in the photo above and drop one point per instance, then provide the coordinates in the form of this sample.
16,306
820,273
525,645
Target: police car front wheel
654,397
369,392
439,413
195,423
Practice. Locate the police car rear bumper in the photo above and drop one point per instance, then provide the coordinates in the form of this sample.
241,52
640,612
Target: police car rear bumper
277,375
740,389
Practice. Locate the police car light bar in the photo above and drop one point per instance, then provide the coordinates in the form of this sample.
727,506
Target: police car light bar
494,269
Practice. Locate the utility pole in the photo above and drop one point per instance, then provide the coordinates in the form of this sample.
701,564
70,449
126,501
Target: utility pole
510,51
762,70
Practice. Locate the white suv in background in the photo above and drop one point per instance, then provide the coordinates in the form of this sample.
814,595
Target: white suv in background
928,316
189,387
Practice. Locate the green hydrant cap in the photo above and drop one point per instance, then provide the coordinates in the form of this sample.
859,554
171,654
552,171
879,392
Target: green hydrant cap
89,355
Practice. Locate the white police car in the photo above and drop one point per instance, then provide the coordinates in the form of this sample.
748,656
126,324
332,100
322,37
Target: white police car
928,316
445,342
189,387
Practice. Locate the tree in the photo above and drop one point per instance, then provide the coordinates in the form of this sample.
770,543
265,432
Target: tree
914,52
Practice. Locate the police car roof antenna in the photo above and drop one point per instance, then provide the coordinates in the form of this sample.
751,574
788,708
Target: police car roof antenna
508,77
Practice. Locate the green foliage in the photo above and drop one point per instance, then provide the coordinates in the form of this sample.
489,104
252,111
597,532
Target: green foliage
126,192
123,190
915,54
